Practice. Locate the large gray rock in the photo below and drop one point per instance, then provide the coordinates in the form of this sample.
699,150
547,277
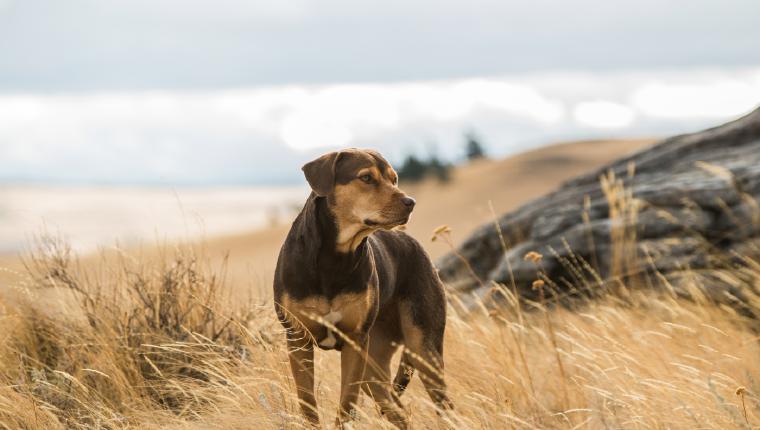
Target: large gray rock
693,201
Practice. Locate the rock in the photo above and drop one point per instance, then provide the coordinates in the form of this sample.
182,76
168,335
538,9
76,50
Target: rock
692,201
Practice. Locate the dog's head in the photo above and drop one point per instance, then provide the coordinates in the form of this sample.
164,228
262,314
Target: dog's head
361,189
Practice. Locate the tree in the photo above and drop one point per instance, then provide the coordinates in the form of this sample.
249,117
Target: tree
473,147
412,170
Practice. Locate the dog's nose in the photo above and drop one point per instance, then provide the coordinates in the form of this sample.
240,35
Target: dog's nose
408,202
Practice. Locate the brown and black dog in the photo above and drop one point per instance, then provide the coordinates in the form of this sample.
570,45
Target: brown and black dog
346,281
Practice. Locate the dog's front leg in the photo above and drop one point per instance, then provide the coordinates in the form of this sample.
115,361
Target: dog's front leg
353,363
301,355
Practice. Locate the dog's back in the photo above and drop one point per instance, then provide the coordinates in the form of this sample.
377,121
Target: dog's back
406,273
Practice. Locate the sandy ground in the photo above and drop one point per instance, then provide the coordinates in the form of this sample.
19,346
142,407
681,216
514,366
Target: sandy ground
461,204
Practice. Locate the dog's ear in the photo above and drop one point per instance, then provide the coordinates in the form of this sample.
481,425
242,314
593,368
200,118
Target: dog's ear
320,173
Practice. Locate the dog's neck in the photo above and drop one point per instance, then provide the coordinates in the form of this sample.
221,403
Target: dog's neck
336,241
351,237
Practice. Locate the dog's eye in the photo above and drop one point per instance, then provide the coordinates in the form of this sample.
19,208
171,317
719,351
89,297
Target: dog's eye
366,178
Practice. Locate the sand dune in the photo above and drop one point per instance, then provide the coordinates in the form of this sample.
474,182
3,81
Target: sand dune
462,204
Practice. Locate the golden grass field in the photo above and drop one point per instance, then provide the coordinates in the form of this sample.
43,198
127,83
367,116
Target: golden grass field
177,337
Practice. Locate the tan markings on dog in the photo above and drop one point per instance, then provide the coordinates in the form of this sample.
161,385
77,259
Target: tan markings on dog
346,312
356,202
352,205
391,175
413,336
373,171
354,308
299,313
333,318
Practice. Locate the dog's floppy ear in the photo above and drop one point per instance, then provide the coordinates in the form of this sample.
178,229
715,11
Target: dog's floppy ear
320,173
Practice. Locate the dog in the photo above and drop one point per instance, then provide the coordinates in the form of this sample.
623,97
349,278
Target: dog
347,281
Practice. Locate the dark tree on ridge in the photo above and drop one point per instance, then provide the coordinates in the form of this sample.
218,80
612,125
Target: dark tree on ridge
473,147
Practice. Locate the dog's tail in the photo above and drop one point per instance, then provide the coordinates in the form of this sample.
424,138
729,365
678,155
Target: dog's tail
403,374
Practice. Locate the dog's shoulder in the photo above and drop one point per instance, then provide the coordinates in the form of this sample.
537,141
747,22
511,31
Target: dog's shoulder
401,248
397,241
297,258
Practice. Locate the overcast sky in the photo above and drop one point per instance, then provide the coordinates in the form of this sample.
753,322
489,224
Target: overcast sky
234,91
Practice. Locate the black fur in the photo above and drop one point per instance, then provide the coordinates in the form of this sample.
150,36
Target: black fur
309,265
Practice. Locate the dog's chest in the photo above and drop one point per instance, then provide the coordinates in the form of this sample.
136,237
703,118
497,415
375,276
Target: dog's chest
347,312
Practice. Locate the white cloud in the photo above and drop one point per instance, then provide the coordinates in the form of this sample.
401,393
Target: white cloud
721,97
603,114
201,134
339,115
302,131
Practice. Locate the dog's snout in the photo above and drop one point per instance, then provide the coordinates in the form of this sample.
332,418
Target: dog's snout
408,202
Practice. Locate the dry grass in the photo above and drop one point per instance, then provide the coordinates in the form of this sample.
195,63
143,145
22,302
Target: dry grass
161,343
657,362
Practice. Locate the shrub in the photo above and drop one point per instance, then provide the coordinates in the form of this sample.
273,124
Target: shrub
136,336
414,169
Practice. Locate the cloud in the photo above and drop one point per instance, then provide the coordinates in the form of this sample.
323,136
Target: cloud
723,97
262,134
603,114
338,115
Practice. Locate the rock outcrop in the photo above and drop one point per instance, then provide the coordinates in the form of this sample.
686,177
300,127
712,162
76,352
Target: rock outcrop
687,203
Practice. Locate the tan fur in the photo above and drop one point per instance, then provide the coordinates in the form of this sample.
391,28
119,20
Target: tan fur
424,358
392,175
413,336
378,375
309,314
354,202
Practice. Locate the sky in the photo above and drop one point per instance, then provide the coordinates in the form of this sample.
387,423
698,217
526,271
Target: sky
243,92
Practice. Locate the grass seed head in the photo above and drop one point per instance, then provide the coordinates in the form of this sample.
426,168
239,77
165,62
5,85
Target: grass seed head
533,256
439,231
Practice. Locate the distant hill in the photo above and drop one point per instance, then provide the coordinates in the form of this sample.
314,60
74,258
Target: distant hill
461,203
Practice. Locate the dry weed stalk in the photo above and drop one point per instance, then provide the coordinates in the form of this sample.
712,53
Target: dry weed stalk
505,249
623,210
443,232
